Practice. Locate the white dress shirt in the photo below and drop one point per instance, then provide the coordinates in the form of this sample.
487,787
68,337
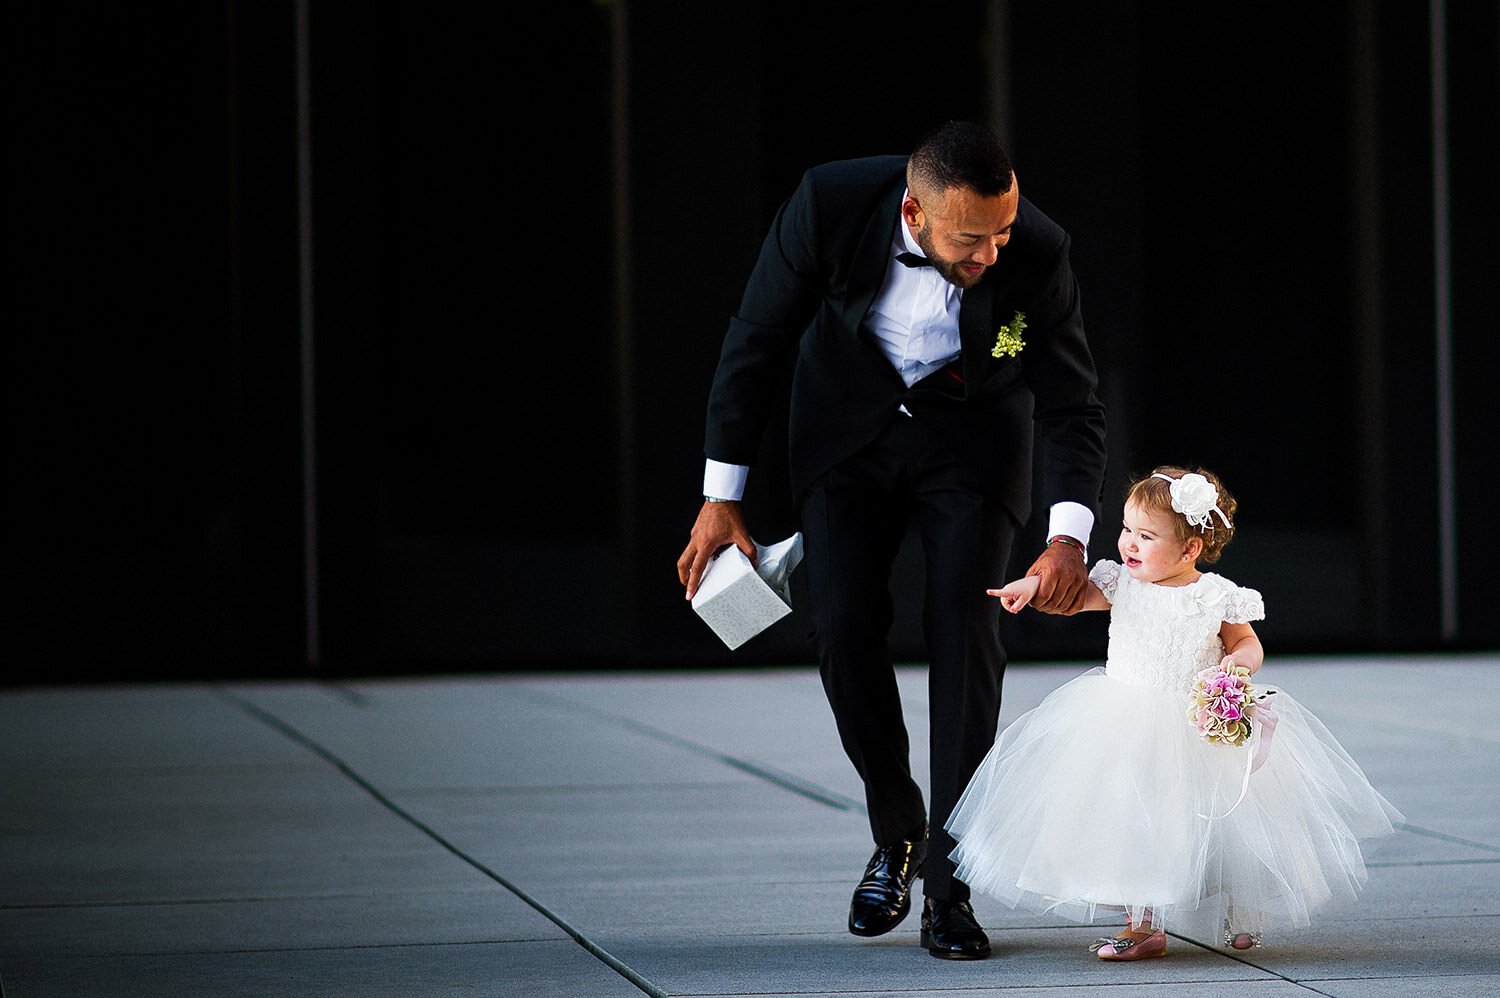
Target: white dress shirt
915,315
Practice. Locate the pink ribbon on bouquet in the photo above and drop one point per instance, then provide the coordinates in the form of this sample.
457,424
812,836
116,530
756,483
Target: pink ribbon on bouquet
1254,759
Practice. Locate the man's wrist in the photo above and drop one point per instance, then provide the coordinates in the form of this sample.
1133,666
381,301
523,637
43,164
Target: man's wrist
1070,542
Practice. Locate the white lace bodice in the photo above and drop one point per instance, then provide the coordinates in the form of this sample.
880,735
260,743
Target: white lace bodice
1163,635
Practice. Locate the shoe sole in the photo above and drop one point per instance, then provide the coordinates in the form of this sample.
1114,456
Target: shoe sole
1131,955
1125,959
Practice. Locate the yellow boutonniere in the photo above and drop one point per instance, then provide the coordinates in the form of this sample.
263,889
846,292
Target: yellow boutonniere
1008,340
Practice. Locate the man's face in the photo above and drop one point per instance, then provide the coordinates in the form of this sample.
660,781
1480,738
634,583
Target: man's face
960,231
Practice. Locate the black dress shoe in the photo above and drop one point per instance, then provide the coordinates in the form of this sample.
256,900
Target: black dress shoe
883,897
950,932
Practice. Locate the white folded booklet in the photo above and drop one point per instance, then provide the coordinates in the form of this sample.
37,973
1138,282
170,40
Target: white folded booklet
738,600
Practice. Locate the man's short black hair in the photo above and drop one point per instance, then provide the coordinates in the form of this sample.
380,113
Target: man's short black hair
961,154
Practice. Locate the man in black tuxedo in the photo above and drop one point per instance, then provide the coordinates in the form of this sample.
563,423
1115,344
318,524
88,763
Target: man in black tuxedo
941,370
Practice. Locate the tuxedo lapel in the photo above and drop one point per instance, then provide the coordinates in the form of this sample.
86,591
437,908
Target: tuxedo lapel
871,258
975,335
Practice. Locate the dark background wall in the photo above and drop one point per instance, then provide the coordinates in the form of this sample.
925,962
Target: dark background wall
525,245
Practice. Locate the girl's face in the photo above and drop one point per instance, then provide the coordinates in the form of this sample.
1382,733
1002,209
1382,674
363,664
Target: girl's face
1150,550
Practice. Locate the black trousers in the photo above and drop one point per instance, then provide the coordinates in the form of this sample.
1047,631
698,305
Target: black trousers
854,520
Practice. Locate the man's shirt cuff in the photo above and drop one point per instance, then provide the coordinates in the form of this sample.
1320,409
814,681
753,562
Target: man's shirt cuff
1071,519
724,481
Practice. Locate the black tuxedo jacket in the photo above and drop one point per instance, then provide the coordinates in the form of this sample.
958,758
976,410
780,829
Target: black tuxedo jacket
819,270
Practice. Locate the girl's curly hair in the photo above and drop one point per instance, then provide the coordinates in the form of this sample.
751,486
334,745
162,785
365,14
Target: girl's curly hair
1154,494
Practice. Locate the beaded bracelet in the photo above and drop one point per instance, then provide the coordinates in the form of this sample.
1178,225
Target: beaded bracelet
1070,542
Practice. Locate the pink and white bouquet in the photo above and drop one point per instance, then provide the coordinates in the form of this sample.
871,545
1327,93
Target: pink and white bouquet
1224,703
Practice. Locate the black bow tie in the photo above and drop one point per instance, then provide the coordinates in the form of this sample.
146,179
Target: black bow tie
912,260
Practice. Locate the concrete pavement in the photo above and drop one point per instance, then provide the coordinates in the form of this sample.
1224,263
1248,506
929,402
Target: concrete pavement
608,835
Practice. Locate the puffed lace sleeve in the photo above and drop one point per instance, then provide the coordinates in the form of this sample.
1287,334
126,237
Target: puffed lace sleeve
1106,575
1242,605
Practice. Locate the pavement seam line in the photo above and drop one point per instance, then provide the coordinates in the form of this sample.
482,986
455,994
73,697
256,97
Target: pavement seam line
770,774
594,949
1444,837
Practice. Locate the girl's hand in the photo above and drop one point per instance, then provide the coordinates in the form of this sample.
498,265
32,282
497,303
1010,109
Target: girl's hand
1236,659
1017,594
1230,662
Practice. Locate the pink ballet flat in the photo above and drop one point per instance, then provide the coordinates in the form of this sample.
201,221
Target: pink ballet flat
1240,940
1126,948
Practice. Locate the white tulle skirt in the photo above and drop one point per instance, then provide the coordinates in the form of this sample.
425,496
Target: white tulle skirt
1104,800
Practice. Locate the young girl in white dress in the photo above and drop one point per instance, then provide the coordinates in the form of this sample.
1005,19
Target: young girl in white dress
1108,798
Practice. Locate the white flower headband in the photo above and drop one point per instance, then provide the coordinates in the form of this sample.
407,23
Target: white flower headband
1195,497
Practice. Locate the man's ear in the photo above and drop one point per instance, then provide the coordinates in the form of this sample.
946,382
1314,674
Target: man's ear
911,211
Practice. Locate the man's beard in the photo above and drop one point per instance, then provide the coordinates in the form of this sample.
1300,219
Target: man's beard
947,269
